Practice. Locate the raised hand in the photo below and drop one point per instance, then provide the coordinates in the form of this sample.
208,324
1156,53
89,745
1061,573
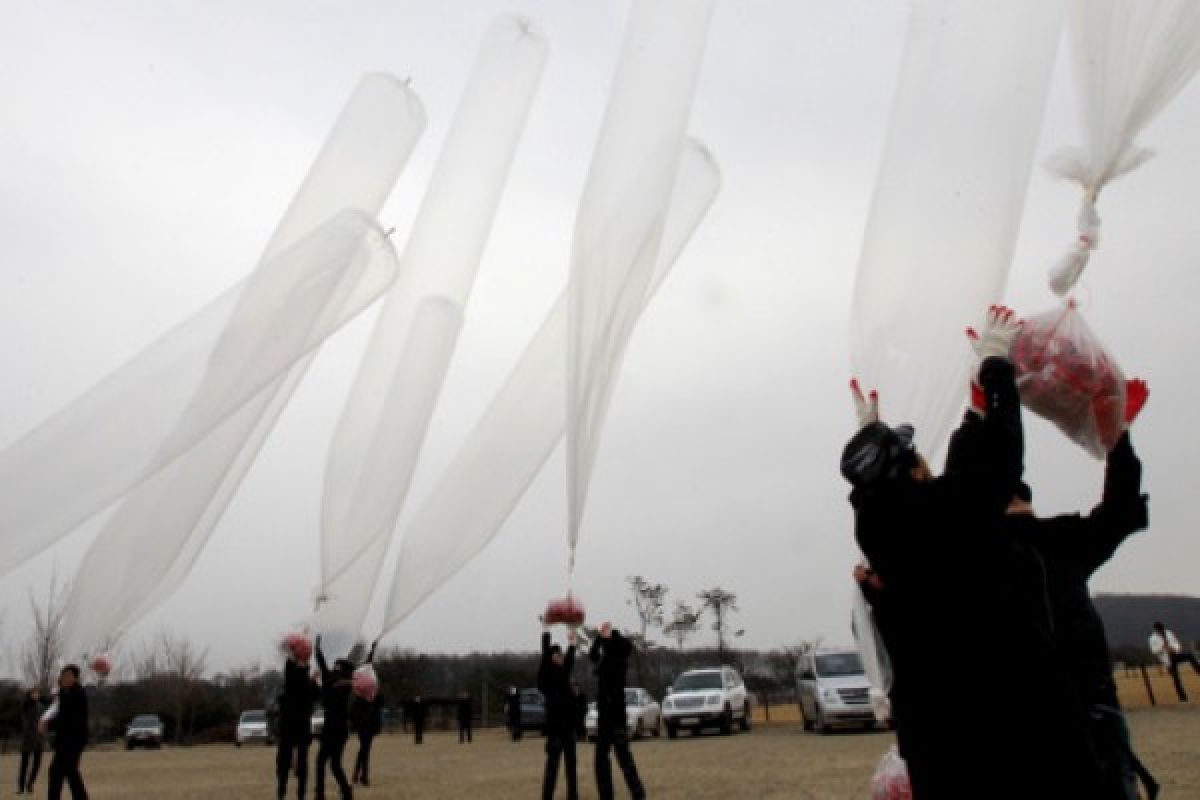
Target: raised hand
1000,329
866,408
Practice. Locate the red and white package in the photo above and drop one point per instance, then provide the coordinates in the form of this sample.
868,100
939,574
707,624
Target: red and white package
564,611
890,781
102,665
1066,376
365,683
298,646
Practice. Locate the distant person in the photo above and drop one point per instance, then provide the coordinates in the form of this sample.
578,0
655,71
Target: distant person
464,718
554,682
68,716
1165,644
295,726
417,710
512,713
335,699
367,716
581,711
32,741
610,653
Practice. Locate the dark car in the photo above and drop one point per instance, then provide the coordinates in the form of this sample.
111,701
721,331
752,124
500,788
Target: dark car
533,710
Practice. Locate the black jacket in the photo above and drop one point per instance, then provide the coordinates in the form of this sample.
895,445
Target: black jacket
1072,547
611,657
31,715
335,699
465,711
71,724
554,682
296,702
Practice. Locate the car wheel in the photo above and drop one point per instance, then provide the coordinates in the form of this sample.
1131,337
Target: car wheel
745,723
637,730
822,725
672,731
727,721
129,745
657,728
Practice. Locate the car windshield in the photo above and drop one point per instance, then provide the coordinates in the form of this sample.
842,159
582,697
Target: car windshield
631,697
254,716
691,681
144,721
531,697
834,665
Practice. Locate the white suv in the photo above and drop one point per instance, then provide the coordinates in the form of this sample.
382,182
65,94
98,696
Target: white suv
707,698
834,690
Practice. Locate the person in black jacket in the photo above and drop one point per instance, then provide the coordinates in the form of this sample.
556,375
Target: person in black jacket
69,719
465,712
1072,547
610,653
295,726
512,713
335,699
956,582
367,716
32,741
416,711
554,682
581,710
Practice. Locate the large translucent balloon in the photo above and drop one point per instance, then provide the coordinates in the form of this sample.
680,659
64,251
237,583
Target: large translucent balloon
1130,60
619,226
383,424
149,411
521,427
176,510
944,220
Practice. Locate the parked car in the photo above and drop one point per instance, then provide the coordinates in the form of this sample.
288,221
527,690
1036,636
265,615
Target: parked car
146,730
834,690
643,715
533,710
317,723
252,727
707,698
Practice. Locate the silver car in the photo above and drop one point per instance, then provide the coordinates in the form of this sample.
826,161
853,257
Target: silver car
643,715
834,690
252,727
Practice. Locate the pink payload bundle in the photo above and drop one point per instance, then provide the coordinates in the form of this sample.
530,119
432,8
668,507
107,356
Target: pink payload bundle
102,665
365,683
564,611
890,781
298,646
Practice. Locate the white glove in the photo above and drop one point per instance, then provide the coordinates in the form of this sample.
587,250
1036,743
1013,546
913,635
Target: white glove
865,408
999,331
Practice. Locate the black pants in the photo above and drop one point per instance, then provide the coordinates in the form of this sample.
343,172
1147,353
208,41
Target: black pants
330,752
613,736
362,762
65,767
464,732
31,762
292,746
560,745
1176,660
515,729
419,732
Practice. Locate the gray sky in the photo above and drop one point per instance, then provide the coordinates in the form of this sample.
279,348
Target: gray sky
147,150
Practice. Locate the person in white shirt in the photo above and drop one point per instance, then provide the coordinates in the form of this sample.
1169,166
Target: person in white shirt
1165,645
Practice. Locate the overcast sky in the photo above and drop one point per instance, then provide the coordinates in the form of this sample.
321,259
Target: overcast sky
148,149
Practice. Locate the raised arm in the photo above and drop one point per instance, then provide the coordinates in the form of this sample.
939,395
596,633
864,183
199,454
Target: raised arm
322,665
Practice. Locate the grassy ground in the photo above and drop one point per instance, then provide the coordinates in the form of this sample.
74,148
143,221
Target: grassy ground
773,761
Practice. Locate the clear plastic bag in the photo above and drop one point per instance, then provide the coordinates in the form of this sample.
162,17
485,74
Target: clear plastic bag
890,781
1066,376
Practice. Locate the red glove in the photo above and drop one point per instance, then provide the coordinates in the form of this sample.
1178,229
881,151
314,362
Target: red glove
1136,394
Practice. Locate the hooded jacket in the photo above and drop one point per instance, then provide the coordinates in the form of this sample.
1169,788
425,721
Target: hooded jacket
554,682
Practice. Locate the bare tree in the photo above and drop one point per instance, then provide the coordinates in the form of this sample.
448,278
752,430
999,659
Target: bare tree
647,601
721,603
39,657
177,666
683,623
784,664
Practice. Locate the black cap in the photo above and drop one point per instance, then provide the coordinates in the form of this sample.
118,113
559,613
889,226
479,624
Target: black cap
1024,492
878,453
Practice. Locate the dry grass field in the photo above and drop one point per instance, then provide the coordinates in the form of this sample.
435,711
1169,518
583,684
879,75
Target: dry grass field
776,760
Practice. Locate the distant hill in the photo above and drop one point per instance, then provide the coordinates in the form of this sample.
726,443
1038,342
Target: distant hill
1128,617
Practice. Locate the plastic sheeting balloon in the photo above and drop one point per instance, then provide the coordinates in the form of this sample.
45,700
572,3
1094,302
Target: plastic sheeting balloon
383,424
149,411
619,225
521,427
876,663
1130,60
175,511
947,207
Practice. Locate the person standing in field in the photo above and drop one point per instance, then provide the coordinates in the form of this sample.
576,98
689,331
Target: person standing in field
1165,645
581,710
68,716
32,741
464,718
295,725
367,716
610,653
417,713
335,699
554,682
512,713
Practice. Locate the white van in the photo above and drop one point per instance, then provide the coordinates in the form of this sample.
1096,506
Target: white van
834,690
